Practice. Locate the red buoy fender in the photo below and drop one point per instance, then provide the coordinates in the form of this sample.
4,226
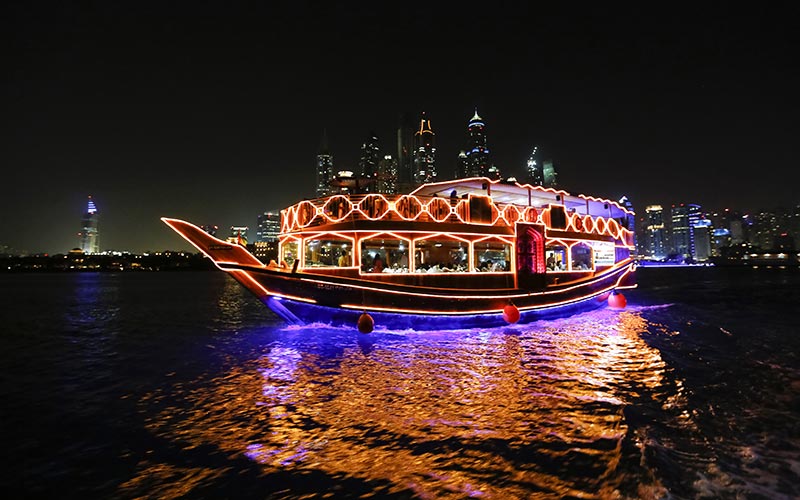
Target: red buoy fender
511,313
365,323
616,300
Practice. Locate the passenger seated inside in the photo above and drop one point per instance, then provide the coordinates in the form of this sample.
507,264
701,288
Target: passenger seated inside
344,259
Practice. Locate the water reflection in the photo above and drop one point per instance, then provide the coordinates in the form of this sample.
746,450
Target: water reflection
507,413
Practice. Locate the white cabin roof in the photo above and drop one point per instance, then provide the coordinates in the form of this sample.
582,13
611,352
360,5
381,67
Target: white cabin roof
523,194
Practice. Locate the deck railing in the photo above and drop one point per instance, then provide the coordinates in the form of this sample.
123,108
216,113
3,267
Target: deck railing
411,208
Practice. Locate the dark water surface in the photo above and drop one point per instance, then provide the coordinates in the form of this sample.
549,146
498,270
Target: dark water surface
181,385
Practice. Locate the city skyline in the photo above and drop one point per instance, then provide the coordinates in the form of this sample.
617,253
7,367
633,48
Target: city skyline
215,114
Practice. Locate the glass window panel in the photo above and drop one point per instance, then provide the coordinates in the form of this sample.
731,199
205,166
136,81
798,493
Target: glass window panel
381,255
289,252
555,258
441,256
492,256
328,252
582,258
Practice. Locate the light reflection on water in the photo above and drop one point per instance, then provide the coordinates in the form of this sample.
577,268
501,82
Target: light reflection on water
184,386
501,413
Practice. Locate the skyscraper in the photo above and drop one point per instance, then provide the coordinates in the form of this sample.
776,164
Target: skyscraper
462,168
656,246
684,217
549,174
478,161
88,235
424,153
238,235
701,234
325,171
405,156
368,163
387,175
269,227
533,169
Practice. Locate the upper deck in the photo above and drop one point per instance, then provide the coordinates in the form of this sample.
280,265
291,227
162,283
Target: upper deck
475,201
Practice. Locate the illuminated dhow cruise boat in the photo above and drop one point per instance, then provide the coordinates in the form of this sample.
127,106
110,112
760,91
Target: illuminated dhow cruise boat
455,254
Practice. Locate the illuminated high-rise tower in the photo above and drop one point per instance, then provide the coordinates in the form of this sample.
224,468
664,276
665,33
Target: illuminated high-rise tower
424,153
269,226
387,175
405,154
684,218
478,161
533,169
88,236
325,171
549,174
655,232
368,163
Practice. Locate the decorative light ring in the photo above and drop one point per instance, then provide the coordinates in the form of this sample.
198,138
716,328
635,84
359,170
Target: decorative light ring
531,215
306,213
588,224
600,225
408,207
291,218
577,222
613,229
438,209
373,206
511,214
337,208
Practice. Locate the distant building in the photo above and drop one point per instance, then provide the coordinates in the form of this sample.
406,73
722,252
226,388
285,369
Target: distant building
266,251
478,161
702,234
720,239
405,154
368,162
269,227
325,171
238,235
424,153
462,167
533,169
88,236
387,175
684,216
655,233
549,174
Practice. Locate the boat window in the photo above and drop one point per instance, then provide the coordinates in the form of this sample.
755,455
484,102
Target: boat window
384,255
441,255
328,252
289,252
582,258
555,258
492,256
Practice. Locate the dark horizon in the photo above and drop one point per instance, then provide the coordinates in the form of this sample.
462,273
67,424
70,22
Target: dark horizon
215,114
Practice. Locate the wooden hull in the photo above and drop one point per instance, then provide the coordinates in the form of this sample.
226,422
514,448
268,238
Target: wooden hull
308,297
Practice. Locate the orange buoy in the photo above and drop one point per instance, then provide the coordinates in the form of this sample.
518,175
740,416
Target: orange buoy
511,313
365,323
616,300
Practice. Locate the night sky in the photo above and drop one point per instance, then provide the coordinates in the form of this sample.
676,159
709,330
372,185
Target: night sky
214,113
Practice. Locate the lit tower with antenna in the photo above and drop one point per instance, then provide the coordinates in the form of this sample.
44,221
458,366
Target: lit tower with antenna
88,234
424,153
478,161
